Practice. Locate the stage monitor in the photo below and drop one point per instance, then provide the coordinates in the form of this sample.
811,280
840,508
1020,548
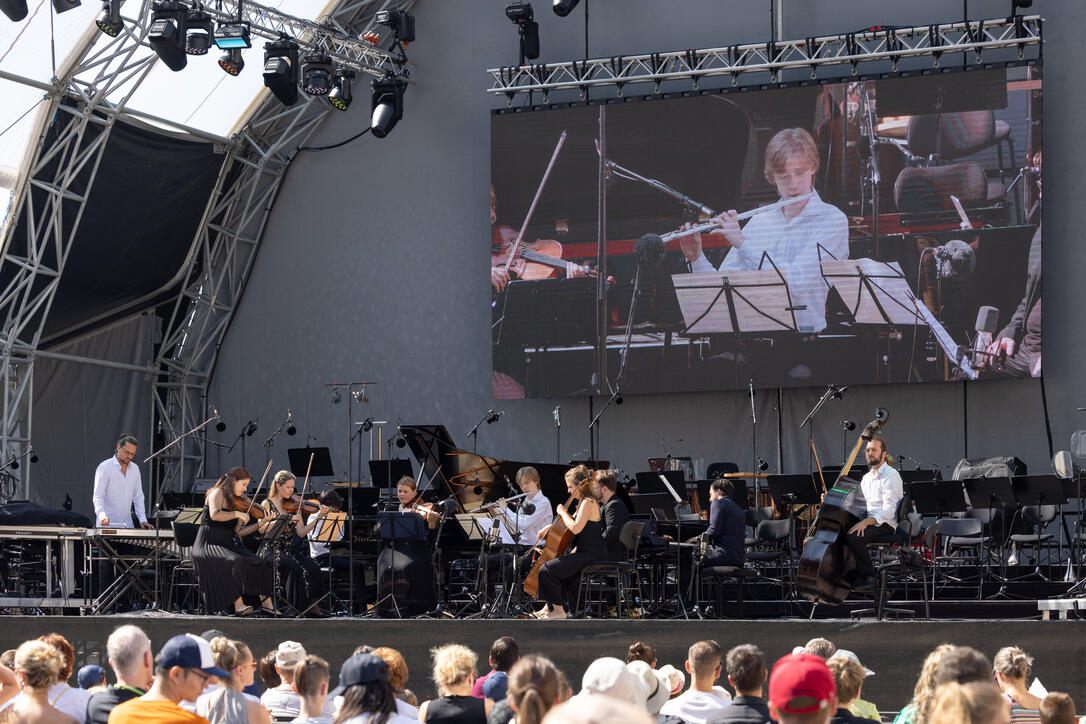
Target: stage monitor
858,232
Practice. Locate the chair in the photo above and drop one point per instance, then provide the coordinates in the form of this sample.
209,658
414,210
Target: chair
183,575
715,470
753,517
599,580
1039,516
959,534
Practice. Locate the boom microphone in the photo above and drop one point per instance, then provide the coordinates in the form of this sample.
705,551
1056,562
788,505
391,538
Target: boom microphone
955,259
649,250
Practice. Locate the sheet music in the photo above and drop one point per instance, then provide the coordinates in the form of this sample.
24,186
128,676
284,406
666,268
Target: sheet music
761,300
875,292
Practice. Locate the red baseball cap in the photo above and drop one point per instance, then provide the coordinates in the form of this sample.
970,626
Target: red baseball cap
801,684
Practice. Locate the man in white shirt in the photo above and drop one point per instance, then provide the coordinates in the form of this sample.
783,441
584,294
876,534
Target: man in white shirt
118,488
321,551
703,698
797,237
881,492
533,514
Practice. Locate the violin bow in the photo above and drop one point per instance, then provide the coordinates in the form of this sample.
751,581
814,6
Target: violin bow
305,483
531,210
264,477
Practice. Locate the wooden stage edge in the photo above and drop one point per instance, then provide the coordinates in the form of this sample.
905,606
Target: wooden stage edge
893,650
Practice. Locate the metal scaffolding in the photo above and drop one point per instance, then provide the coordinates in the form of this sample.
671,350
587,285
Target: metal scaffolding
1018,34
85,102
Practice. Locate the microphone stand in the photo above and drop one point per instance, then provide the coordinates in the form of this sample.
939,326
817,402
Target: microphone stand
558,434
754,448
161,490
594,426
831,391
474,434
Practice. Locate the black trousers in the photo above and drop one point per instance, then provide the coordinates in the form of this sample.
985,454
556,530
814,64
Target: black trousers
559,577
858,544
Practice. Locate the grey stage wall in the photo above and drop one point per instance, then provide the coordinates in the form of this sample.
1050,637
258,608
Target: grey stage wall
374,264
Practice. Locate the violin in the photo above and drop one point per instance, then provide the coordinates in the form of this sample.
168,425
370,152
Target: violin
539,259
254,511
294,502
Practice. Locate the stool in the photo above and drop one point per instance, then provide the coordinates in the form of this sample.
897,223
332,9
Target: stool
717,576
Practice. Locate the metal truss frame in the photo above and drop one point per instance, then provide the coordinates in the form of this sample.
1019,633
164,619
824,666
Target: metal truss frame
1017,33
91,95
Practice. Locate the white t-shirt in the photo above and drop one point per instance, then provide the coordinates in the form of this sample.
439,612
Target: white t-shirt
402,708
697,706
393,718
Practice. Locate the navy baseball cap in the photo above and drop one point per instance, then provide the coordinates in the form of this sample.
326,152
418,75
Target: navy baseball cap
190,652
90,675
360,669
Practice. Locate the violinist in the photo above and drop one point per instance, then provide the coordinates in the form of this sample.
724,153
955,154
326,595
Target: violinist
405,568
557,577
411,502
882,492
298,574
321,552
225,569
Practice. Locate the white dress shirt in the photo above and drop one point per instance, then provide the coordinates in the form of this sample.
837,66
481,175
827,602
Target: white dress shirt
882,492
116,493
529,525
319,548
794,246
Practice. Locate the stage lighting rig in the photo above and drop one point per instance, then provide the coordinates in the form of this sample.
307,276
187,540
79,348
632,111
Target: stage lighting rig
281,69
400,22
386,104
232,62
167,33
199,29
63,6
522,16
317,74
563,8
340,97
16,10
109,21
231,36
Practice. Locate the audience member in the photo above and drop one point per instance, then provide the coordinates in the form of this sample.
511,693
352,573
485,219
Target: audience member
367,694
72,702
182,668
609,677
454,675
974,702
9,684
657,689
91,676
675,677
534,688
641,651
802,690
1057,708
268,674
1011,666
496,688
703,698
504,652
848,678
823,648
226,703
129,653
916,711
596,709
8,659
282,701
311,684
38,666
745,666
859,707
397,677
963,664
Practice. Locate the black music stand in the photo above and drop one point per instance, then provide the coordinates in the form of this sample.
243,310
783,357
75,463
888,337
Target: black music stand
395,525
644,503
386,473
299,461
789,490
938,497
362,500
278,529
917,476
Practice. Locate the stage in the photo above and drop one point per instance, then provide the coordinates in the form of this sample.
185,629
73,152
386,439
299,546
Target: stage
893,650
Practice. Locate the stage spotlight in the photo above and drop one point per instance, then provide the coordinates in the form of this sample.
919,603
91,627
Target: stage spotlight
232,62
63,6
335,396
386,105
563,8
229,36
521,14
340,97
400,22
220,426
167,33
317,74
109,22
16,10
199,29
401,441
281,69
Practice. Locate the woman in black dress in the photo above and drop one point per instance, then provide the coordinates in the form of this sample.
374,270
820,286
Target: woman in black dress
405,568
225,569
558,576
300,578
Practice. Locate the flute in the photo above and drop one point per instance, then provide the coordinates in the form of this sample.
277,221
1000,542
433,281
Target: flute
710,225
491,505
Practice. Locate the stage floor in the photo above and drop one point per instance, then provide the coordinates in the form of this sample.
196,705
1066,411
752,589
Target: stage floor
894,650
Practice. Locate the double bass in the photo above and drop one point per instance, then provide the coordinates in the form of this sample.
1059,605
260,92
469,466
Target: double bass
826,564
559,538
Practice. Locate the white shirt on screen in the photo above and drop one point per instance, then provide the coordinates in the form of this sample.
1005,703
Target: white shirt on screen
794,246
116,493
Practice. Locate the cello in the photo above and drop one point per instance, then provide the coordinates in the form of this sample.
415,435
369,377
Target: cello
825,563
559,538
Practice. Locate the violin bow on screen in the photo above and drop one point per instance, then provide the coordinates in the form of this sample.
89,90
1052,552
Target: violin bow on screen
264,477
531,210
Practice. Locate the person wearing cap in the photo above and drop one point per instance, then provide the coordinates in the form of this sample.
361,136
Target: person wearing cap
183,666
802,690
133,663
859,707
610,677
283,700
745,665
657,687
676,679
367,693
90,676
703,698
848,677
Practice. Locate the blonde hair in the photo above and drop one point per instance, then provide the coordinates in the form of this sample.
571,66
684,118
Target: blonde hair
408,481
924,691
280,478
40,664
397,667
978,702
454,664
534,688
578,474
786,145
228,656
849,677
1012,662
309,674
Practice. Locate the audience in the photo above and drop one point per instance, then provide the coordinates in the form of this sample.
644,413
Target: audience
129,653
859,707
848,678
745,666
367,694
397,677
268,673
973,702
534,688
182,668
72,702
282,701
504,652
703,698
641,651
454,675
38,666
802,690
311,684
596,709
963,664
1057,708
227,703
9,683
823,648
656,689
916,711
608,676
1011,667
91,676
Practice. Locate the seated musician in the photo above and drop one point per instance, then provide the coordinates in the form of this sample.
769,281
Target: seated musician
321,551
405,570
559,576
882,492
299,574
797,236
615,515
407,492
526,525
573,477
727,527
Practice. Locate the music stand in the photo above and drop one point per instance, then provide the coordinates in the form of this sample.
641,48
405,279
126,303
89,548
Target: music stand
362,500
650,482
936,497
395,526
918,476
789,490
330,530
299,461
735,301
874,292
1038,490
386,473
644,503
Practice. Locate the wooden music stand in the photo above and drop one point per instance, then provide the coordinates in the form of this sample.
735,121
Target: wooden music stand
735,301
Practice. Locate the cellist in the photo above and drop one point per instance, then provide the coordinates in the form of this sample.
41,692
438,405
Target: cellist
559,575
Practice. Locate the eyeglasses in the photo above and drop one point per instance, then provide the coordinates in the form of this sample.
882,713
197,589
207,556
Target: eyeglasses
204,676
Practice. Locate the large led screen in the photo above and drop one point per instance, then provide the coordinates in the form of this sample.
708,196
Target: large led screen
869,231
